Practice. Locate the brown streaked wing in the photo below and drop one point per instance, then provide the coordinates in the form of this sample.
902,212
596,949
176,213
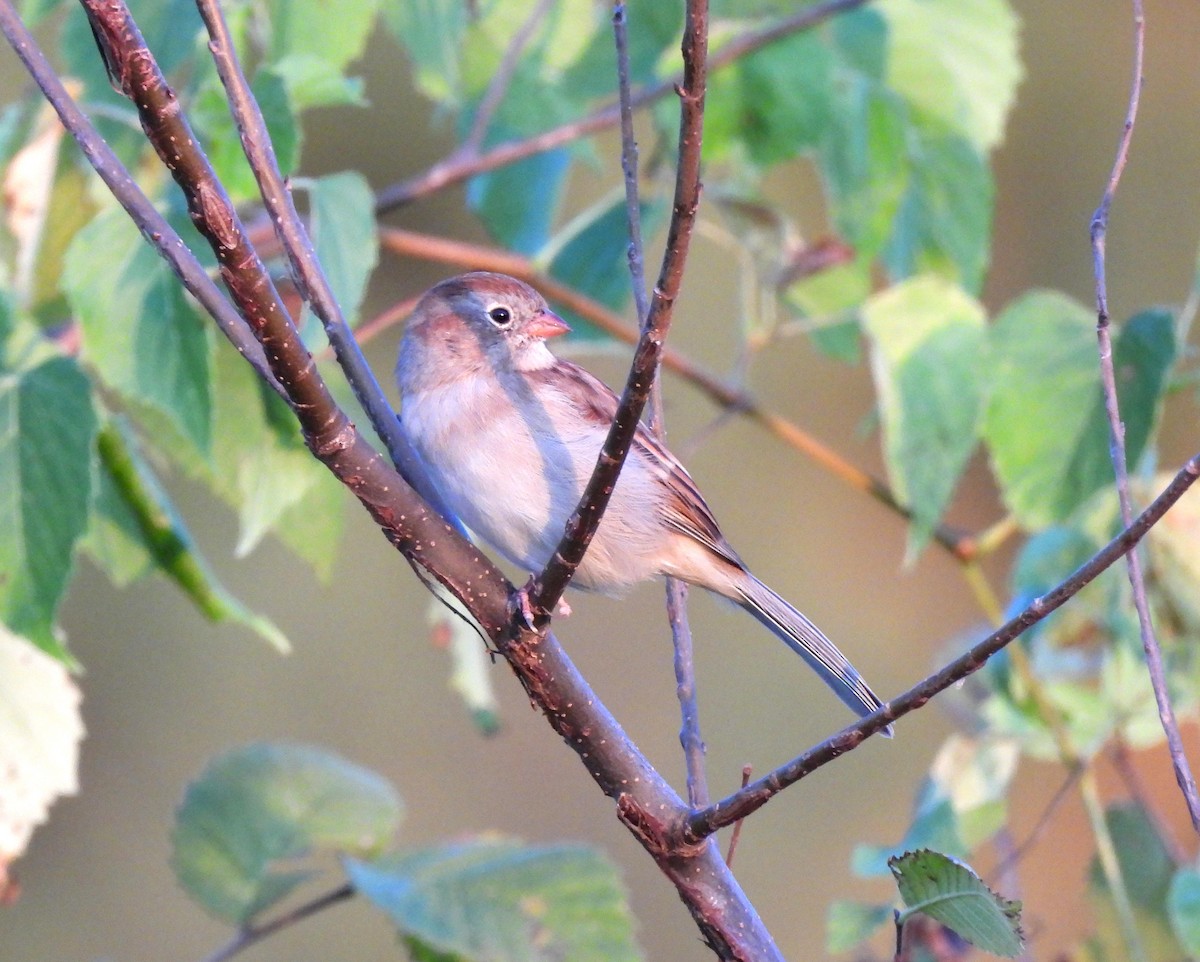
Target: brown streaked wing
687,511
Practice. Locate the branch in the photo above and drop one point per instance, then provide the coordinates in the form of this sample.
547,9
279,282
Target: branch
1099,233
962,545
142,212
546,588
702,824
676,591
458,167
310,279
645,802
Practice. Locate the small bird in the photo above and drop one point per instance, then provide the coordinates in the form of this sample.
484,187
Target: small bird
510,435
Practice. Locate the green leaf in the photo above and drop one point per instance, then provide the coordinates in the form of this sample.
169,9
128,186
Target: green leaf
653,29
503,901
135,527
139,330
517,203
1148,872
313,82
342,34
1143,355
944,222
1046,429
342,207
216,129
1044,366
957,60
1183,905
928,339
40,732
46,430
431,33
862,161
849,924
777,102
261,466
255,811
589,254
951,893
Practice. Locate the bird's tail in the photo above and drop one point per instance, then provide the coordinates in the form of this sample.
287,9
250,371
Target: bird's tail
807,640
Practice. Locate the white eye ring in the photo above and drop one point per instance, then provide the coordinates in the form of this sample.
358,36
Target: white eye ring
500,315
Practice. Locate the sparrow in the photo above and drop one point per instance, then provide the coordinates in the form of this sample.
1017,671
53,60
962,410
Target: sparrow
510,434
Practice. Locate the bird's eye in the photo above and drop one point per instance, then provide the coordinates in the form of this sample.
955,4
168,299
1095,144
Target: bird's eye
501,316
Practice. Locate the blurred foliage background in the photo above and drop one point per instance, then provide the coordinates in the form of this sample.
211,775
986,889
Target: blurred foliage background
164,690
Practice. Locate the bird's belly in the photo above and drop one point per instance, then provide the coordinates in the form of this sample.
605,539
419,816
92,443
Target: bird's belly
516,489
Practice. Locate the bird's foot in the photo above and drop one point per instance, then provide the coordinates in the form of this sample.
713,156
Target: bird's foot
520,607
564,609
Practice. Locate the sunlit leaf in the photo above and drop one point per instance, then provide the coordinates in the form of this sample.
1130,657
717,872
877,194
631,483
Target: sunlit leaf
1046,429
928,339
139,330
342,208
956,59
40,731
47,426
949,892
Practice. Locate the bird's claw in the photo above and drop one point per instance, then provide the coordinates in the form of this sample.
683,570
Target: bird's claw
519,606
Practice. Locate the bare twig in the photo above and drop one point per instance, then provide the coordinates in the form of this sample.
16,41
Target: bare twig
252,934
546,588
962,545
1122,760
142,212
310,279
1099,233
456,168
736,834
676,591
701,824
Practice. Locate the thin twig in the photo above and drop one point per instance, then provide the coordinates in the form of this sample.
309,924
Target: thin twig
1099,233
736,835
1122,761
1110,868
546,588
454,169
701,824
1013,858
690,737
962,545
141,211
251,934
310,278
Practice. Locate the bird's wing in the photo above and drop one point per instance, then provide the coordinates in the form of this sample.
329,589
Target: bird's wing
684,506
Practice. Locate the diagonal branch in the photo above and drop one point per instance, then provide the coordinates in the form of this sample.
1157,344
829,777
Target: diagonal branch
1099,233
546,588
702,824
459,166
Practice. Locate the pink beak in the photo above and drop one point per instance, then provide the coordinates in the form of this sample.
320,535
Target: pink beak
547,324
